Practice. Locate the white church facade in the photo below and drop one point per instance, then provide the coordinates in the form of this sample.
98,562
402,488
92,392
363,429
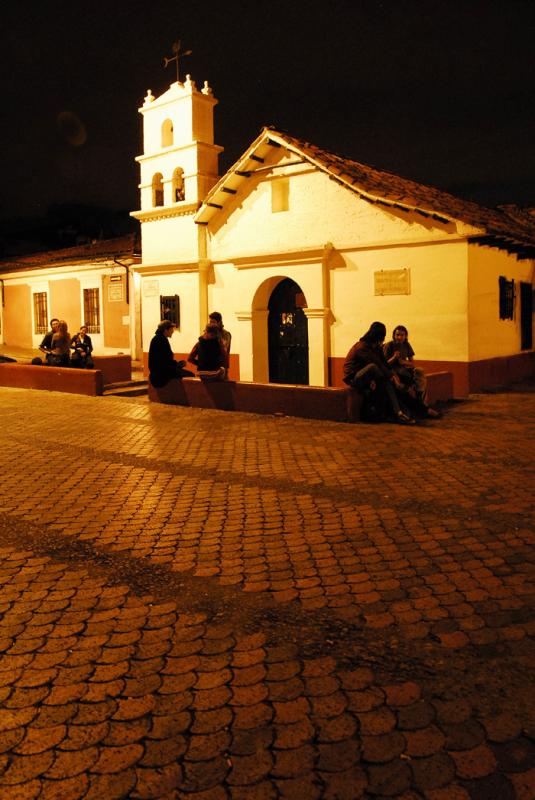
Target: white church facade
300,250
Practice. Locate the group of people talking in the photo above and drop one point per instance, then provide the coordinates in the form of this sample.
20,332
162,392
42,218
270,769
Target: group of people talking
392,387
63,350
210,354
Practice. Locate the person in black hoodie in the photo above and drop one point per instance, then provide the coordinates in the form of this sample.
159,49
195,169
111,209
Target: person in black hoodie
210,356
366,370
162,365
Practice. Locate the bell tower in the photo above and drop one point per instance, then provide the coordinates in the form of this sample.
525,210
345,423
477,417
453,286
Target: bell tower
180,160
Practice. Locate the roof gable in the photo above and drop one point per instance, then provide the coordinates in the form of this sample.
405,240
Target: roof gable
504,228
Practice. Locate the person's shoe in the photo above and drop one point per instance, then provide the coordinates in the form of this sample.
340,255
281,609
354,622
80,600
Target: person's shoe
432,414
404,419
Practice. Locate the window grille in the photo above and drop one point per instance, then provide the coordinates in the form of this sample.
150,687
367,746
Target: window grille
170,309
507,298
40,312
92,310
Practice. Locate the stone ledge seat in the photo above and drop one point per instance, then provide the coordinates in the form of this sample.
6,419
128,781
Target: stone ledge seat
115,368
311,402
54,379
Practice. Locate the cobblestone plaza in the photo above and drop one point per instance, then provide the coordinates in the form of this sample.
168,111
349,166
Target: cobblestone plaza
222,606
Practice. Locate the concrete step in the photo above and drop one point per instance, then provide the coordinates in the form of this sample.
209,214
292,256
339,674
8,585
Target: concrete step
126,389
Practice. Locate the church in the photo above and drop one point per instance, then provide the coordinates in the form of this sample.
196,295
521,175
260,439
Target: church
300,250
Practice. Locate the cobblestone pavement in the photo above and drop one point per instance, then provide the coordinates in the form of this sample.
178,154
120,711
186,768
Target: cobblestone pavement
213,606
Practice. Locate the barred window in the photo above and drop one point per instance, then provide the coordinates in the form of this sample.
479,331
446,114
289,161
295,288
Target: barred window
170,309
92,310
507,298
40,312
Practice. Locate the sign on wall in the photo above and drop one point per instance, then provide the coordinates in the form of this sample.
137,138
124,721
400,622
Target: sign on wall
115,292
392,281
151,289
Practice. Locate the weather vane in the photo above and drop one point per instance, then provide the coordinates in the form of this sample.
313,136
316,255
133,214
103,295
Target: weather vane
178,53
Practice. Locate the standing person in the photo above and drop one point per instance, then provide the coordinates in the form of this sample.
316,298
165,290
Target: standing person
210,356
162,365
400,358
83,347
46,344
60,346
216,319
366,370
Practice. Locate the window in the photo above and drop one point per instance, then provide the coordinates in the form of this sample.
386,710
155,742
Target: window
167,133
178,185
507,298
280,195
170,308
40,312
157,190
92,310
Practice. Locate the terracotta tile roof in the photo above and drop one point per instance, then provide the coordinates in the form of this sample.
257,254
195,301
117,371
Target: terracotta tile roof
97,251
504,227
509,223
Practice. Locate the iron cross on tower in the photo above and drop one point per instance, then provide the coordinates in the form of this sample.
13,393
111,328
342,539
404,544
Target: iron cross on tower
178,53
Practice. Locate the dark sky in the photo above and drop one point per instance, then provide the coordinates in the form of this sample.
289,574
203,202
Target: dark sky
442,92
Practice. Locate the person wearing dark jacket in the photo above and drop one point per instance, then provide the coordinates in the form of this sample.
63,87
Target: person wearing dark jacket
210,356
366,370
162,365
83,347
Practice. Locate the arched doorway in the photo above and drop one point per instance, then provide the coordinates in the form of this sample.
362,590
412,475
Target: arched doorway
287,334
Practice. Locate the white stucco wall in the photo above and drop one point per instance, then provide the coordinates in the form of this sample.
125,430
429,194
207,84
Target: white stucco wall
186,286
434,312
489,335
366,238
169,240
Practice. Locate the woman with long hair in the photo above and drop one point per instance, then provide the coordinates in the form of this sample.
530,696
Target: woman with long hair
60,346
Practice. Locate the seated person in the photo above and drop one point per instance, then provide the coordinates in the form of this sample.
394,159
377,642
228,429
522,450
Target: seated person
162,365
399,357
46,344
366,370
83,347
210,355
60,345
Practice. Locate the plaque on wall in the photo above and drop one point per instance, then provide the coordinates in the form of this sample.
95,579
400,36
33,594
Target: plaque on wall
392,281
115,293
151,289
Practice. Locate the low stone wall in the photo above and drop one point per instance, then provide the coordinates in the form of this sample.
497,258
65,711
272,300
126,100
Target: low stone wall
54,379
311,402
115,369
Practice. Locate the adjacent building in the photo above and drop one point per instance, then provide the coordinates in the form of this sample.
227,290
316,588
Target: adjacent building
91,284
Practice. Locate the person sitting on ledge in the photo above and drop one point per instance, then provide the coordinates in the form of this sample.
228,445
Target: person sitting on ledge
60,346
400,357
83,347
162,365
210,356
366,370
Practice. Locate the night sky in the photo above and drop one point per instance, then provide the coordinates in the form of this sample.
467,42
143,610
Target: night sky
441,92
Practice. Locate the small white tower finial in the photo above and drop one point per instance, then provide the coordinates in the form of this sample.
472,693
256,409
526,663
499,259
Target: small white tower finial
149,97
206,89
